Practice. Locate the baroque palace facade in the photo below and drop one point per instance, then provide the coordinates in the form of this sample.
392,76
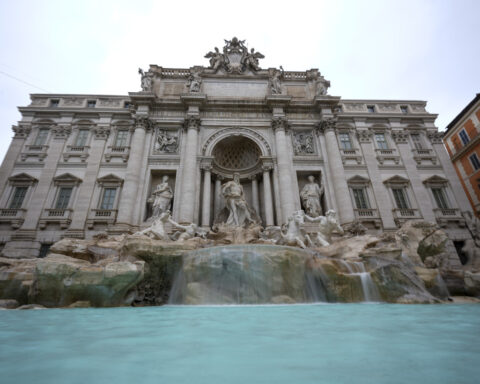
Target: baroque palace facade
79,165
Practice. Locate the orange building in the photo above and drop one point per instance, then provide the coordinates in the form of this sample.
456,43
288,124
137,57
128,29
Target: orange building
462,140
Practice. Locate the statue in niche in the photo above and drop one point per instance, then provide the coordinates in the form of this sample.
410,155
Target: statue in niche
303,143
161,198
194,81
326,226
236,213
311,196
250,59
275,81
166,143
146,81
217,59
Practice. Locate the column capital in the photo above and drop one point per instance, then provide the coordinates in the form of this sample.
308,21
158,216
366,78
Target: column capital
326,125
267,167
280,123
143,122
21,131
101,132
61,131
206,167
364,136
253,177
400,137
192,122
435,137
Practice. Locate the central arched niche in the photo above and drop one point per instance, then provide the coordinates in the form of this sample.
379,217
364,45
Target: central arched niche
236,154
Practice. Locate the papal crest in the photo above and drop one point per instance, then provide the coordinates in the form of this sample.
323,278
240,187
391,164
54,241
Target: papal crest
235,57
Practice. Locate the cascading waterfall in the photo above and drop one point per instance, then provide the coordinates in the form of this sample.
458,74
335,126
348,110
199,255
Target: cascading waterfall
370,291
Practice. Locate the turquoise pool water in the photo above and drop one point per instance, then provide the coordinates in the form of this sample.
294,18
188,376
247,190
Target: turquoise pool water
332,343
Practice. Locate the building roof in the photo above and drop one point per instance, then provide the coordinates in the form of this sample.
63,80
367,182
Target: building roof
461,114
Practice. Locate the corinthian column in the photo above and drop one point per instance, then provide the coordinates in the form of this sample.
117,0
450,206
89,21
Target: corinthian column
287,198
342,195
207,186
188,193
267,196
132,175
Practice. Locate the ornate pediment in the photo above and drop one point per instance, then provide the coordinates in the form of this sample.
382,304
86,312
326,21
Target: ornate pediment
435,180
67,178
396,180
235,58
358,180
110,179
22,178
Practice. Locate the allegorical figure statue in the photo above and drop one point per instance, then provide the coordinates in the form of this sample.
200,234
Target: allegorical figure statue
146,81
239,214
161,197
275,81
326,225
194,81
216,59
311,196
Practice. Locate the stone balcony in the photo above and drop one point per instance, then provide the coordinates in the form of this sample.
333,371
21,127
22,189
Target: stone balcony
101,216
400,215
63,217
36,151
113,152
74,151
446,215
387,156
14,216
351,156
368,215
422,156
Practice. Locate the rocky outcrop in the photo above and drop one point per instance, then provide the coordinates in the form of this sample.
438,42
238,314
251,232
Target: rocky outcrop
472,283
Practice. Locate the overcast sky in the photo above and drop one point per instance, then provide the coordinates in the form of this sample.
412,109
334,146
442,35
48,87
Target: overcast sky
419,50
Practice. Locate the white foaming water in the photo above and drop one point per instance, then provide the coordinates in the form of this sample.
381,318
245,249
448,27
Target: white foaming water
370,291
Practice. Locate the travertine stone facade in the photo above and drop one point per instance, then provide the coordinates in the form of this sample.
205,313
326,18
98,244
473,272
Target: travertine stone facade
83,164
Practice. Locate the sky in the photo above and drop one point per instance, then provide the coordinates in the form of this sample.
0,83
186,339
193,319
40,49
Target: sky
371,49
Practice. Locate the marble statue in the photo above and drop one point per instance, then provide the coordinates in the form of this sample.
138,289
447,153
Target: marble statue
239,214
194,81
250,59
326,225
146,81
166,143
161,197
311,196
290,234
157,229
322,86
216,59
275,81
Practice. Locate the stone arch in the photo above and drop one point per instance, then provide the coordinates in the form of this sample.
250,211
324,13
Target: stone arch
258,139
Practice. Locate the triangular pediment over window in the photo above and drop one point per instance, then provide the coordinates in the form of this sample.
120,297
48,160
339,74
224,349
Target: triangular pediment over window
435,179
67,178
110,179
357,179
22,178
396,180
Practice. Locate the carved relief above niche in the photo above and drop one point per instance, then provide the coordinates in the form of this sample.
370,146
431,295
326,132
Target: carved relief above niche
166,142
303,143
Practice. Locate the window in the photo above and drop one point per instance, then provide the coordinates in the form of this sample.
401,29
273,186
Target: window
63,197
440,198
475,162
108,198
345,142
41,138
381,141
18,197
464,137
54,103
81,138
360,196
91,103
400,196
126,105
121,139
371,108
44,248
417,140
404,109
